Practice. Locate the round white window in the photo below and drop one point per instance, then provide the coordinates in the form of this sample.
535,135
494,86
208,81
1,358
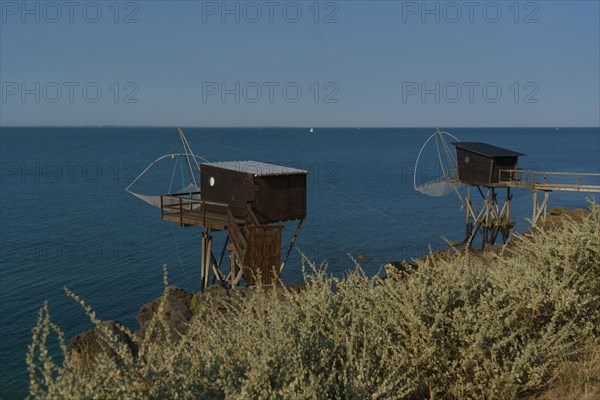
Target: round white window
211,181
467,159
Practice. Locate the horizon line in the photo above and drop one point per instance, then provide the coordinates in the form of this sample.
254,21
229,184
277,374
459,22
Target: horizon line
299,127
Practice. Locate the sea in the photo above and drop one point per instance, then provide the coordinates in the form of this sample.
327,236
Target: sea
67,221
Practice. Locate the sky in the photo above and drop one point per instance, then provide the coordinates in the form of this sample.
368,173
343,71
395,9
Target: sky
300,63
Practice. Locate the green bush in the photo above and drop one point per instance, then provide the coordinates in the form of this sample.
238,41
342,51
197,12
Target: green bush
467,328
194,306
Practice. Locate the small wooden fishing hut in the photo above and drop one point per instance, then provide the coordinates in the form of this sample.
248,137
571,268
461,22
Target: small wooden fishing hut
494,168
484,165
481,163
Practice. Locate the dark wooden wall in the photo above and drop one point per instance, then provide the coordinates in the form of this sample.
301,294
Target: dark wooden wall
275,198
231,187
280,197
481,170
477,171
502,163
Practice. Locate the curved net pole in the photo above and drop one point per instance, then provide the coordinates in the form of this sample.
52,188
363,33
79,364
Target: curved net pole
437,146
418,158
187,150
445,183
449,153
452,161
173,175
127,189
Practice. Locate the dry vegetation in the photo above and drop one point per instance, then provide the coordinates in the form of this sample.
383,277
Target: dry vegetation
517,324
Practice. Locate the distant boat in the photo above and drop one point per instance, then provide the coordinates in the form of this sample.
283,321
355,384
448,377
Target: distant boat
311,130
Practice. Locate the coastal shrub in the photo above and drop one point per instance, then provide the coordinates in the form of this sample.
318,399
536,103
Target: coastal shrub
194,304
495,327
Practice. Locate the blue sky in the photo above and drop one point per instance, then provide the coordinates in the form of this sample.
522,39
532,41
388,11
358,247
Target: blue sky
344,63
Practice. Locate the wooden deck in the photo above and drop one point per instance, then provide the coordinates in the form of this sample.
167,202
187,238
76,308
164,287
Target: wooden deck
186,211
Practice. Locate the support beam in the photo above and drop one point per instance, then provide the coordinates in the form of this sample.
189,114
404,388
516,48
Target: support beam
491,221
207,259
202,260
539,210
291,245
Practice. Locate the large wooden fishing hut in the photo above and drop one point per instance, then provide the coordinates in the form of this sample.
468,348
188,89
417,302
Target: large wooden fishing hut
488,170
247,201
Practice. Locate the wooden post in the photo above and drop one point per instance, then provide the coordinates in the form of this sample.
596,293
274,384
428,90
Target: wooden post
207,260
291,245
180,211
543,207
468,214
487,219
202,260
506,234
535,205
508,200
232,269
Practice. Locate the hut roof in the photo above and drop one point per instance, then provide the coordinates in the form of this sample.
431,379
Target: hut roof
256,168
487,150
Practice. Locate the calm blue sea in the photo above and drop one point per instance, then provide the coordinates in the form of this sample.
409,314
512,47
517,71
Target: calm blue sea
66,219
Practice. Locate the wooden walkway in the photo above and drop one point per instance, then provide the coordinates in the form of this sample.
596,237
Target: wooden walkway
550,181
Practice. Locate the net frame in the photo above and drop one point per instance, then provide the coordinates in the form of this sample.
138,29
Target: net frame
444,184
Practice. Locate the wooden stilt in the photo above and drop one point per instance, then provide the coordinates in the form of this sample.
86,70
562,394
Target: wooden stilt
540,210
291,245
202,260
492,221
232,267
207,259
216,264
535,208
545,204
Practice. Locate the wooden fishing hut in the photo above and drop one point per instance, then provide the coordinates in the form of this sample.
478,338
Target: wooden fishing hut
249,200
493,168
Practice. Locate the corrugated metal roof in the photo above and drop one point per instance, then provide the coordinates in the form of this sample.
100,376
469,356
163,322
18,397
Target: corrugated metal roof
256,168
487,150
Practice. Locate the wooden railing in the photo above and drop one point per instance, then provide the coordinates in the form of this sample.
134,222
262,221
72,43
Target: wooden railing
179,204
257,246
237,236
577,181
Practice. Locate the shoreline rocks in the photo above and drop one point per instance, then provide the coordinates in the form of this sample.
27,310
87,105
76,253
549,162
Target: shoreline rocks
86,346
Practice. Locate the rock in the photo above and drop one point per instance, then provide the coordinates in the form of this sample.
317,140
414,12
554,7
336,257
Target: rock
214,299
402,266
242,293
175,314
86,346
